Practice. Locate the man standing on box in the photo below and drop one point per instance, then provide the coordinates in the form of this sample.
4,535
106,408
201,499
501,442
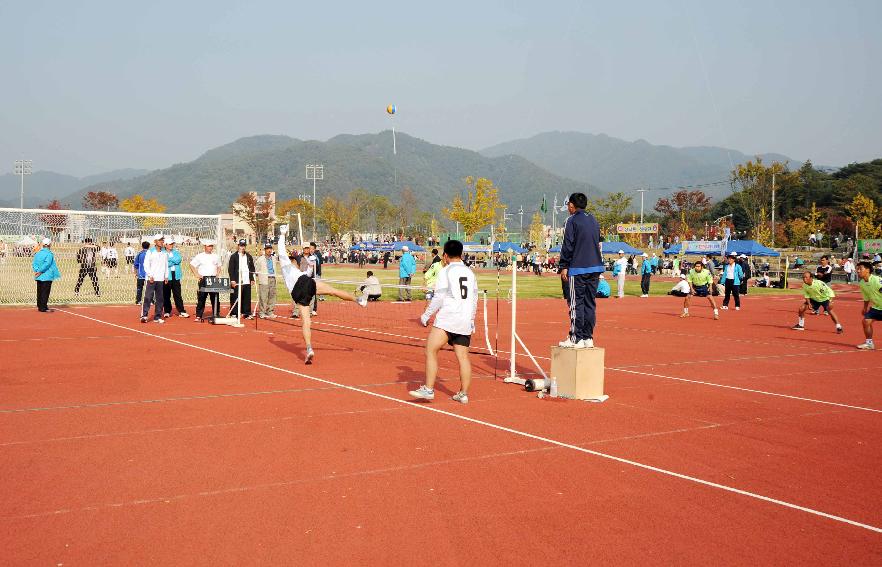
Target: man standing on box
203,265
581,263
241,269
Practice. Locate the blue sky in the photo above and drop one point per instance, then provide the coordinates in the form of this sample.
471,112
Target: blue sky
94,86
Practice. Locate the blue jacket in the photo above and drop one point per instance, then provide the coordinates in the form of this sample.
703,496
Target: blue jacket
174,261
580,251
139,265
407,267
646,266
739,274
603,288
44,262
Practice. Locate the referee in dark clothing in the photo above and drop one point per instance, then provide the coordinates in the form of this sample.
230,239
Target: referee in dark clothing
581,264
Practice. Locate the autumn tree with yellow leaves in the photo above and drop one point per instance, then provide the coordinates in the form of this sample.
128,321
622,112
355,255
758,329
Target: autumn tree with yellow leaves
478,209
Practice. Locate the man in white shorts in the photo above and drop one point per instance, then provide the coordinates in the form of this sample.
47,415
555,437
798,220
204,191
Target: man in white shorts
304,289
456,302
620,268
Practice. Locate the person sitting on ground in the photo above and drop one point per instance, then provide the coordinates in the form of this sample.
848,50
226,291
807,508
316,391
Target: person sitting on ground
681,289
603,289
371,287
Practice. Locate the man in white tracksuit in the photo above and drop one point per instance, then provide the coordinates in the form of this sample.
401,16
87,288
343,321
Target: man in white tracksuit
620,269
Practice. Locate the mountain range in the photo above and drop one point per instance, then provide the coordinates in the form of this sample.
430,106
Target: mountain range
551,163
617,165
43,186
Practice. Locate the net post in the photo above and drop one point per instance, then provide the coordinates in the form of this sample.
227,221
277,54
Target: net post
486,327
512,372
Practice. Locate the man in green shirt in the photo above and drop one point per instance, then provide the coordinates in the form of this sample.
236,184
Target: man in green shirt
817,294
871,290
700,282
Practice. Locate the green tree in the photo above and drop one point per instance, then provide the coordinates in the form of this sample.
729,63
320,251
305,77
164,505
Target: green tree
337,216
752,184
609,210
866,215
537,231
478,209
291,207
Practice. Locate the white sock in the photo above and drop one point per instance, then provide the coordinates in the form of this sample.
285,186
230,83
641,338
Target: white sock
838,325
685,310
801,321
715,310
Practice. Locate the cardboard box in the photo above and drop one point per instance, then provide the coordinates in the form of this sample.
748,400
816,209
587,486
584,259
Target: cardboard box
579,372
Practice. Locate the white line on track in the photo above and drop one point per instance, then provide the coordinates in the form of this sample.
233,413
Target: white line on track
763,392
428,408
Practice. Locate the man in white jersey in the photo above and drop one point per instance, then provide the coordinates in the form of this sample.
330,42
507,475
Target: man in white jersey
456,301
620,268
303,289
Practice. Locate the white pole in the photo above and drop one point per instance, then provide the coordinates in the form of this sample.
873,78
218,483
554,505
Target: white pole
300,229
239,298
313,205
773,209
514,318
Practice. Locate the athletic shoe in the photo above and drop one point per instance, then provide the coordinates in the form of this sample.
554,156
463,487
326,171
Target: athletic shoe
684,315
423,393
569,343
716,316
460,397
183,315
587,343
737,309
839,330
362,301
725,307
249,318
825,313
159,321
166,315
197,319
262,316
814,312
314,313
645,295
866,346
143,319
798,327
310,354
272,315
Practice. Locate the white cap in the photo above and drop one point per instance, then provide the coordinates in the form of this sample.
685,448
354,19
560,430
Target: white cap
602,277
47,241
645,255
170,240
621,251
158,236
682,276
404,248
208,242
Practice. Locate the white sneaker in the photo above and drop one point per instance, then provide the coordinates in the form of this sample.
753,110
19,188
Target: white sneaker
725,307
866,346
460,397
159,320
423,393
272,315
737,309
645,295
587,343
314,313
567,343
310,354
183,315
362,301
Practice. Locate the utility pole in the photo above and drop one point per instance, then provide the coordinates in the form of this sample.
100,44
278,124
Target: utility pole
521,213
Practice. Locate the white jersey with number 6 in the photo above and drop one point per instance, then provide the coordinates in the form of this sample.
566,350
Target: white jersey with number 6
455,300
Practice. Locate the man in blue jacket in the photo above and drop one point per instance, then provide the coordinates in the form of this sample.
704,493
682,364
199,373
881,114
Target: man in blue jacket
581,263
140,276
645,275
173,287
45,272
406,269
731,277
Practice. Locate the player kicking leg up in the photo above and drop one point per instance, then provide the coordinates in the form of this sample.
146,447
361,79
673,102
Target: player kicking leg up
303,289
456,302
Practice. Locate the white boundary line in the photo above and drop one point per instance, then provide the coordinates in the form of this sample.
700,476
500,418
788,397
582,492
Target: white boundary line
765,393
425,407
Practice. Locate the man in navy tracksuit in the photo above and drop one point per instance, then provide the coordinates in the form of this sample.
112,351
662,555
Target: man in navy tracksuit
581,264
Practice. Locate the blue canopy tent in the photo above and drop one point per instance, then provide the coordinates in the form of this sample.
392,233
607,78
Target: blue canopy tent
506,246
397,246
750,248
608,248
746,247
384,246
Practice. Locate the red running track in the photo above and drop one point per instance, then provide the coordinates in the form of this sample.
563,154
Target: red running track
723,442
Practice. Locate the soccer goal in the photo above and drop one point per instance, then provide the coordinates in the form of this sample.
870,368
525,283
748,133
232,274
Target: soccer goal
95,251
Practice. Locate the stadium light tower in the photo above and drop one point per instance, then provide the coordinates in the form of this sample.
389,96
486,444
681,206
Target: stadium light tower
22,167
315,172
642,192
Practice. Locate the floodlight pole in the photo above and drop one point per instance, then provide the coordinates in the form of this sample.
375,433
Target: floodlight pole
521,213
773,210
315,172
22,167
642,192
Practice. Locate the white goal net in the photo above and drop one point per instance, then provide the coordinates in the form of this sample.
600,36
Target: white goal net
105,274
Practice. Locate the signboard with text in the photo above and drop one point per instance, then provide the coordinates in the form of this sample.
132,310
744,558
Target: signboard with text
637,228
870,246
703,247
